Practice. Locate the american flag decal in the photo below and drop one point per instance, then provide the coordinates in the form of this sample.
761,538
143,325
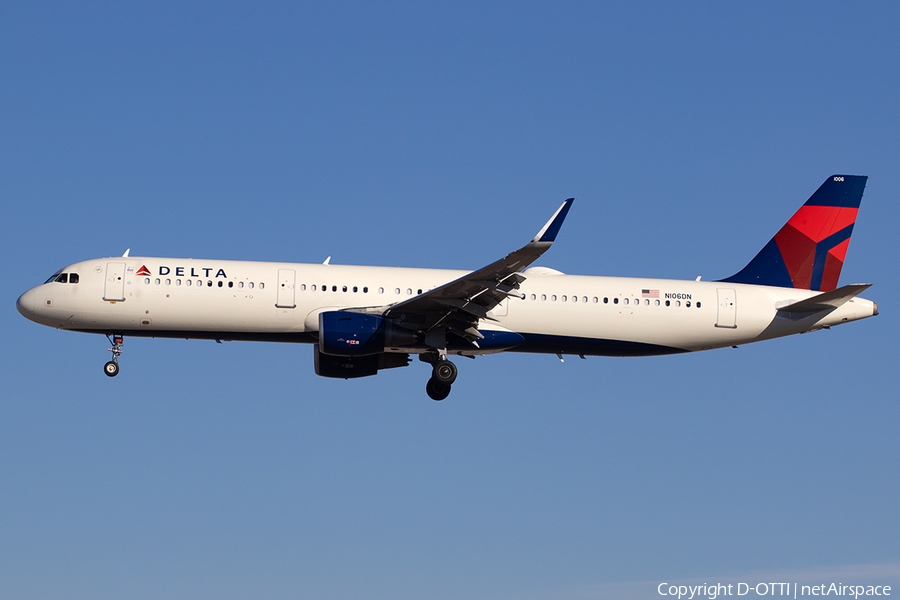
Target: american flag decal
649,293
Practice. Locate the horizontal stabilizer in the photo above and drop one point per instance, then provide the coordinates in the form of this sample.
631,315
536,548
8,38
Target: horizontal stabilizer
828,300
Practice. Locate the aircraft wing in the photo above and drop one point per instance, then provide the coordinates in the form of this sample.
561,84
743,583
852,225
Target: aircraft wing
459,305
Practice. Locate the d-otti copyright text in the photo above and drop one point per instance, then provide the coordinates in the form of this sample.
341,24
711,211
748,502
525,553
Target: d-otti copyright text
794,590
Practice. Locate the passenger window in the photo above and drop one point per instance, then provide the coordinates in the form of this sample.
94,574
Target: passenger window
147,280
302,287
381,290
177,282
656,302
409,291
606,301
365,290
615,300
688,304
584,299
396,290
534,296
419,292
668,303
625,301
187,282
698,304
73,278
156,281
543,297
250,285
168,282
220,284
262,285
344,289
209,283
553,297
564,298
334,288
355,289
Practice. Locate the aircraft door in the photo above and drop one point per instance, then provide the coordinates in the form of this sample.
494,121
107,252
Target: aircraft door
286,279
727,308
114,289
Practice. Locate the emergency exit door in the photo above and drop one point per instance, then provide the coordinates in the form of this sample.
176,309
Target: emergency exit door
727,308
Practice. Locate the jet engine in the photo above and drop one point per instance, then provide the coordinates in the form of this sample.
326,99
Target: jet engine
345,333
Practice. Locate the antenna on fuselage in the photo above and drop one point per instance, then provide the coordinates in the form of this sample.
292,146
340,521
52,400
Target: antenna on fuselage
126,253
327,260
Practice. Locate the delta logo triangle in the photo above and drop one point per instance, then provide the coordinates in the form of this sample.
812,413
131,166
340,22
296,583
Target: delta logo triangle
143,270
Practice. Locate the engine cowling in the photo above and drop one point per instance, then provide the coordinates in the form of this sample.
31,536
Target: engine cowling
350,334
345,333
350,367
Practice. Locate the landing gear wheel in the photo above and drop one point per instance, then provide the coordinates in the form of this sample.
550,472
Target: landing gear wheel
444,372
437,390
112,367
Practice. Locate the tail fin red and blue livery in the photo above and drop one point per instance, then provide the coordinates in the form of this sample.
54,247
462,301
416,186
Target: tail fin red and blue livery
808,252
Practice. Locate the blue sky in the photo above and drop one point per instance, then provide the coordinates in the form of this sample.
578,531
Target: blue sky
417,135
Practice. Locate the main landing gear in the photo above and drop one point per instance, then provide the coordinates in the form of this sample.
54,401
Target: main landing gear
112,367
443,374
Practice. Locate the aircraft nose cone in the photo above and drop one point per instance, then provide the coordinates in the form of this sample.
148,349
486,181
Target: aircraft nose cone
25,304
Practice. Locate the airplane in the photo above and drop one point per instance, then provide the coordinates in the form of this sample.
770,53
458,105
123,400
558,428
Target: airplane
361,319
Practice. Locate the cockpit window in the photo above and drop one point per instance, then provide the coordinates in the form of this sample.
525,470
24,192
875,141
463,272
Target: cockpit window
63,278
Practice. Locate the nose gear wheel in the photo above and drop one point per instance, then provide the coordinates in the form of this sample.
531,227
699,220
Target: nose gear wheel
111,368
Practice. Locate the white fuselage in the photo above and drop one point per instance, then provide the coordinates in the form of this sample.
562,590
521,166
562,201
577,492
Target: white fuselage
567,314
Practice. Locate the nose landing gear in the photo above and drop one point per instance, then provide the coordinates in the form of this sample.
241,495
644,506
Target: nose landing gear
443,374
112,367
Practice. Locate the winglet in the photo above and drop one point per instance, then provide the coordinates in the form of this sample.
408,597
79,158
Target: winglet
551,229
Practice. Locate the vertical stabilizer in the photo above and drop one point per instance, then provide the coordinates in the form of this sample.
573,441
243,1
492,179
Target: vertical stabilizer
808,252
